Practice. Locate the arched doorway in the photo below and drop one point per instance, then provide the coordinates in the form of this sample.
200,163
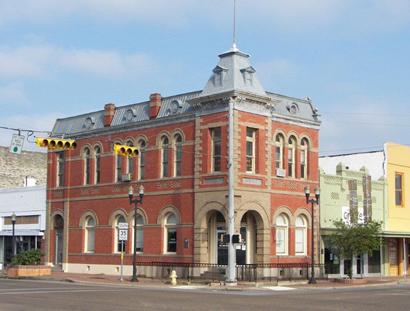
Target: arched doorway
218,251
246,250
58,239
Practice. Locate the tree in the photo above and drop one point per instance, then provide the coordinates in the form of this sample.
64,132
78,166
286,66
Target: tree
355,239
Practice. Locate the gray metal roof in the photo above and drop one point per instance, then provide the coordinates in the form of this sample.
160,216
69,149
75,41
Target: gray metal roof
233,73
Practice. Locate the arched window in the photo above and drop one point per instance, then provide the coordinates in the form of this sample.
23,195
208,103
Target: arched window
60,169
141,159
140,233
170,233
87,166
89,234
291,156
279,142
216,149
130,161
300,235
118,167
251,150
97,165
164,156
282,226
119,219
304,157
177,154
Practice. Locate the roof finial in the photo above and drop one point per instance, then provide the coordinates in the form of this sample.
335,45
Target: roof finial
234,47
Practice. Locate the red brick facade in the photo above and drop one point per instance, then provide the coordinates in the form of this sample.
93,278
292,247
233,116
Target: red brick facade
195,198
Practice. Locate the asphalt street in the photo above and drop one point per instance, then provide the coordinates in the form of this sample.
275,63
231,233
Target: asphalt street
47,295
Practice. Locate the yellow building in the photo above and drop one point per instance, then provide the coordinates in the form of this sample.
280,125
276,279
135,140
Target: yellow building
397,224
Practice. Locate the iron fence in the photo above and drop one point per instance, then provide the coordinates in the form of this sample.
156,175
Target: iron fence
216,273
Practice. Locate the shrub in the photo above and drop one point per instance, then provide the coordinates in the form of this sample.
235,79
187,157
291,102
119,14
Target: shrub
32,257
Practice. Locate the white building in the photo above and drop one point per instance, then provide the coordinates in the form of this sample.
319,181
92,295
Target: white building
29,205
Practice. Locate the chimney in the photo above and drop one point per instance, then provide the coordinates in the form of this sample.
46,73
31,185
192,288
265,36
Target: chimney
154,105
109,111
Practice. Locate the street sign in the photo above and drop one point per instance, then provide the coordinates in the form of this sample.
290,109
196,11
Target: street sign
122,231
16,143
122,225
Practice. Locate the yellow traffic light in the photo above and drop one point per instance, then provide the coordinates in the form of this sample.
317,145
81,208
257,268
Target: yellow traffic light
56,143
126,151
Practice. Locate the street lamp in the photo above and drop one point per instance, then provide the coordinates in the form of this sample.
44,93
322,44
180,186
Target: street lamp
13,223
135,202
312,201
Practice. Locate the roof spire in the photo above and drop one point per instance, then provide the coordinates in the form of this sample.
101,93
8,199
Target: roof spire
234,47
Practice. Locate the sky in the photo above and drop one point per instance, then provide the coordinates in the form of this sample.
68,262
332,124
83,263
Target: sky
351,57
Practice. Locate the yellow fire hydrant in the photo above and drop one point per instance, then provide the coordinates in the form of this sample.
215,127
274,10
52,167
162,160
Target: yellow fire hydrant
173,278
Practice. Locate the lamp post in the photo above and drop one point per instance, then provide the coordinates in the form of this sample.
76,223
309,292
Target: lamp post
312,201
135,202
13,242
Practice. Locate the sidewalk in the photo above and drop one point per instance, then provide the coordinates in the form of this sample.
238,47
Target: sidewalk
148,282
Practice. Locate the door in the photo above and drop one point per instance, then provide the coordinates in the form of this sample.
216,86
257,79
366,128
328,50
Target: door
59,248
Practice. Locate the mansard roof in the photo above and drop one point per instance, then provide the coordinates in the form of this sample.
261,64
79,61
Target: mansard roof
232,76
233,73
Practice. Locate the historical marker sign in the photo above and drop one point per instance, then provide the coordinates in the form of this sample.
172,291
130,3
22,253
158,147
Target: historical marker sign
17,142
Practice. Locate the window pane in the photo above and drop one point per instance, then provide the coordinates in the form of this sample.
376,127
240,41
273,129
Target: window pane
140,239
398,190
216,149
280,240
299,240
90,239
172,240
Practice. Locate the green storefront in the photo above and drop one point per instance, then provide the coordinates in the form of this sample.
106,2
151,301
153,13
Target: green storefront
346,190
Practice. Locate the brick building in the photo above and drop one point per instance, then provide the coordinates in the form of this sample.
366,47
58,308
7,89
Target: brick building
25,169
183,142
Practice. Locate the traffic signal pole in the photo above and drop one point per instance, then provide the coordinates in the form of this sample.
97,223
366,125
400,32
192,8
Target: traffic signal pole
231,273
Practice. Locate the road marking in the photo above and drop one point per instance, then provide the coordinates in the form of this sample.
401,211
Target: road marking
14,292
278,288
189,287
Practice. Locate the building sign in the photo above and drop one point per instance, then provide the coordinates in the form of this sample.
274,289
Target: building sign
346,215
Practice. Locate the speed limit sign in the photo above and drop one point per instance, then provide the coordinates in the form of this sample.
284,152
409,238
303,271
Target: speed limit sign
122,231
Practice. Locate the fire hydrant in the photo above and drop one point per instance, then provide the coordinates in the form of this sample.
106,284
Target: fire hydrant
173,278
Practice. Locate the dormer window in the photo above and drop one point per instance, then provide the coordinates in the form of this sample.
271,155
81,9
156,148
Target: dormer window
129,114
247,74
89,123
219,75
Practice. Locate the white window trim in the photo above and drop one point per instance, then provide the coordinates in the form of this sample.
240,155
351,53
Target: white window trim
212,134
292,149
253,158
176,145
279,144
163,151
97,155
86,236
132,234
142,150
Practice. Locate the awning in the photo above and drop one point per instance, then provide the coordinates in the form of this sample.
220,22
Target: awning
22,232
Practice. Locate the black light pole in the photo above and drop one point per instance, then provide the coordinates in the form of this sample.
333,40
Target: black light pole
13,222
314,201
135,201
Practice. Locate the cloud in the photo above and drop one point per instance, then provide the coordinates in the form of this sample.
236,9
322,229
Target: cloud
24,61
44,59
13,94
362,123
276,72
287,15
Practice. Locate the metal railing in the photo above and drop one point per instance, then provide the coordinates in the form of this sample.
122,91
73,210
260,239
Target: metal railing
216,273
